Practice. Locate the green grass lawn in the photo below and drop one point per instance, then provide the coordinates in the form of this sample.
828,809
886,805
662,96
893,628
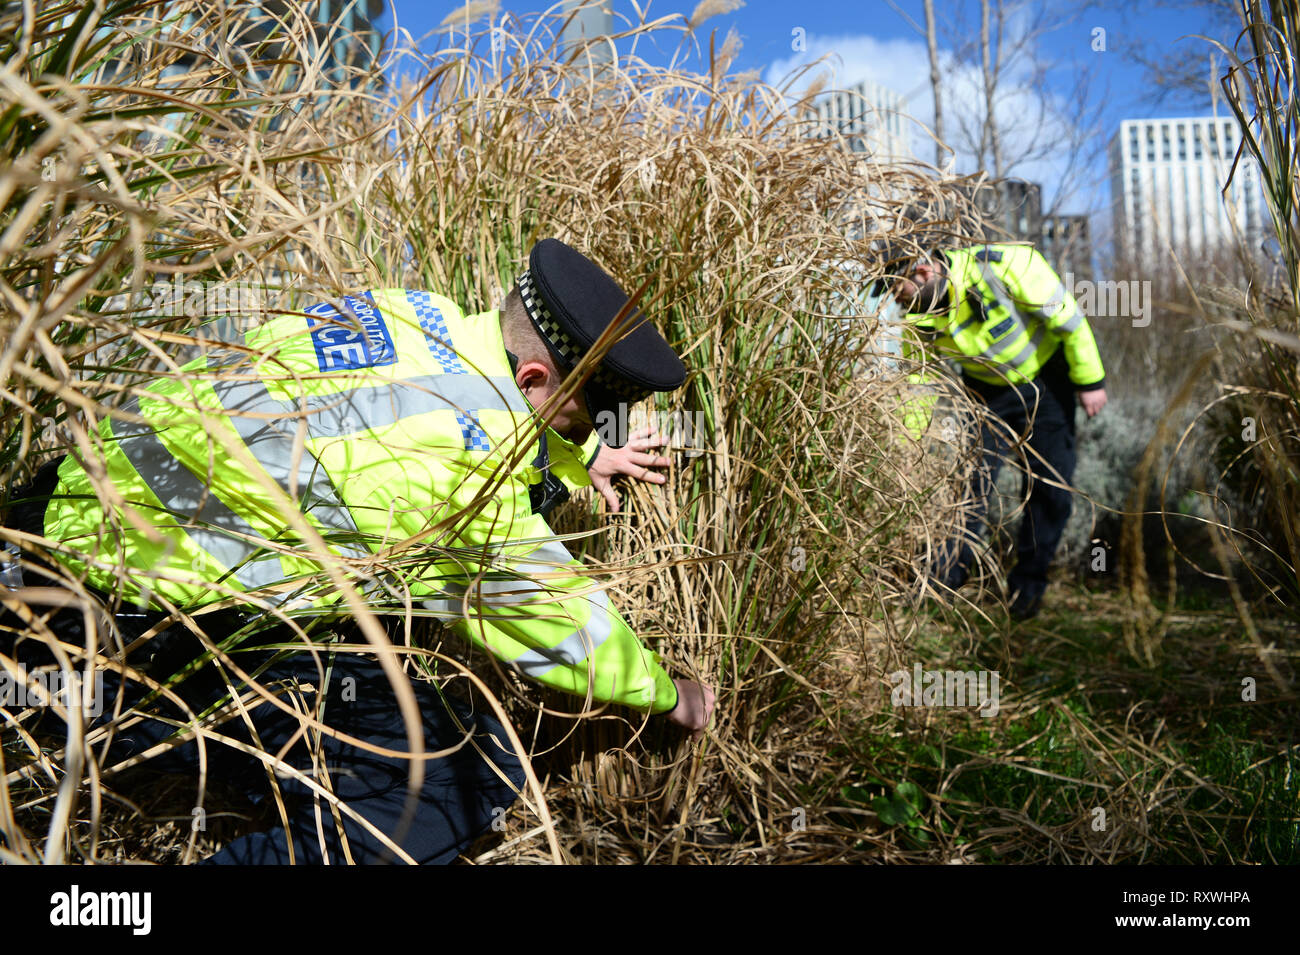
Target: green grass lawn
1092,756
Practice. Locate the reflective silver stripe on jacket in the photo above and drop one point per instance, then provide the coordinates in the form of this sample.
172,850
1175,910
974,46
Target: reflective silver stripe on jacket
1025,353
583,641
976,315
573,649
489,593
546,558
1069,325
269,429
376,406
191,501
1049,312
1045,313
269,426
994,282
1037,327
270,435
1054,301
985,364
1003,344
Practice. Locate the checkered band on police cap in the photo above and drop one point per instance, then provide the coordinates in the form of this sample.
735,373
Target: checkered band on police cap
545,322
568,349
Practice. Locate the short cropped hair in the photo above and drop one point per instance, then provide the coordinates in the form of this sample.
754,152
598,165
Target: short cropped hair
521,337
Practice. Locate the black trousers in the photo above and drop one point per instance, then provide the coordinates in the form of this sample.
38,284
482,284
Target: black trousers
462,794
459,797
1044,410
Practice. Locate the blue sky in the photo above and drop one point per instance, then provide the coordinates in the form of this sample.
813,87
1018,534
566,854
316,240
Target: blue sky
878,40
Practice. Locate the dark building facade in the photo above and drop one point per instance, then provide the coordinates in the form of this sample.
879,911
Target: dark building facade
1013,212
1066,242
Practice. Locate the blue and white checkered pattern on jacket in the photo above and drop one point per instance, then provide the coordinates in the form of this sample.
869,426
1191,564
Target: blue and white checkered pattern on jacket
438,338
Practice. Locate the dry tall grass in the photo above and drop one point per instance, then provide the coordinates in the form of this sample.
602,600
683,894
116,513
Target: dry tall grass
1247,427
1260,90
145,154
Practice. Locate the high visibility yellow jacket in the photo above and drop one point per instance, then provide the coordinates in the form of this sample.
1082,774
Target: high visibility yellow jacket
398,418
1008,313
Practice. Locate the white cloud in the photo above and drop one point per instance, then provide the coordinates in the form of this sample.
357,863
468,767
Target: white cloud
1032,120
900,65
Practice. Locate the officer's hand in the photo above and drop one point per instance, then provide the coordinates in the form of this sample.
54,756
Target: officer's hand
1093,401
630,459
694,706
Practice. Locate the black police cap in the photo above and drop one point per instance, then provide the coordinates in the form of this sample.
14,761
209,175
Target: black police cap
571,301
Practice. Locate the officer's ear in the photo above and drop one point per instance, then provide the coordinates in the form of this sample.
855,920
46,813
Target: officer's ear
534,374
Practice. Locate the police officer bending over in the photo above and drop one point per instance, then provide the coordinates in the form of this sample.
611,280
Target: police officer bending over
398,419
1025,350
